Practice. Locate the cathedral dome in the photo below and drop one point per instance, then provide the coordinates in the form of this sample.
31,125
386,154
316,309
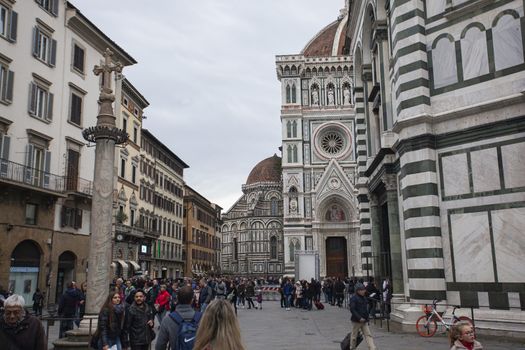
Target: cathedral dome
267,170
330,41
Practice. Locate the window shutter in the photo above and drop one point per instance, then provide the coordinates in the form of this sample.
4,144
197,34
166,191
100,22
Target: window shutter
13,23
32,99
35,41
63,216
29,162
47,168
5,156
78,218
49,115
53,53
54,7
9,87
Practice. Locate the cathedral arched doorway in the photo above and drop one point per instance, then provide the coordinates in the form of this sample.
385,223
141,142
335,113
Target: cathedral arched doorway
66,272
25,269
336,257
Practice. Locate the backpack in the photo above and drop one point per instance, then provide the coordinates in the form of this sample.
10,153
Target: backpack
187,330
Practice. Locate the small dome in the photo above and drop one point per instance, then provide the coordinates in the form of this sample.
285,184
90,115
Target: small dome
330,41
267,170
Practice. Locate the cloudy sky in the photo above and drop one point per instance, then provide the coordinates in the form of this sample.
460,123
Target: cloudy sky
207,67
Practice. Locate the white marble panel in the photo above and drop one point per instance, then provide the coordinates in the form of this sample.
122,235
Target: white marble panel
514,300
471,247
455,174
453,298
458,2
508,47
435,7
483,299
485,170
423,243
416,156
509,241
474,53
444,63
427,284
425,263
422,221
514,164
420,201
419,178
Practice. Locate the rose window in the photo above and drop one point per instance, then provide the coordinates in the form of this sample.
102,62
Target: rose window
332,143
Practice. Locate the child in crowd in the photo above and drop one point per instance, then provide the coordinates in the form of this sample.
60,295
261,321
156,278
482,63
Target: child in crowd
462,337
258,298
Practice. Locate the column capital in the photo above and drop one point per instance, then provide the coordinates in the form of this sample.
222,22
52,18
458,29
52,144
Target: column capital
373,200
390,182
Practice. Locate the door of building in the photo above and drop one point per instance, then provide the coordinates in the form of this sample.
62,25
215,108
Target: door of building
336,257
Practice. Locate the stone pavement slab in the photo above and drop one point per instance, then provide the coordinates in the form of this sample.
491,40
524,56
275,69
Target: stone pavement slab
275,328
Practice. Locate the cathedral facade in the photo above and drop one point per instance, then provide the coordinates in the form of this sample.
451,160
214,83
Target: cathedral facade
252,230
319,132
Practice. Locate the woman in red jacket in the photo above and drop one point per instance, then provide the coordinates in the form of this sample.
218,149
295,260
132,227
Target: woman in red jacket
162,303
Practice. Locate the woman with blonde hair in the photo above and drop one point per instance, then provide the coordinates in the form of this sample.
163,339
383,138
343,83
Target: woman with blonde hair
462,337
219,328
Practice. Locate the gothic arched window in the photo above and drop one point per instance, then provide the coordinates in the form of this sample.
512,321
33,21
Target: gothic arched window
292,251
508,44
289,154
288,99
289,129
294,128
273,247
294,94
274,207
294,154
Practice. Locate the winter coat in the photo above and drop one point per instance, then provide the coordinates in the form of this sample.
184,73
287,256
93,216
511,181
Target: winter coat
136,324
111,327
67,306
288,289
26,335
458,346
163,300
169,329
205,295
358,308
339,288
250,291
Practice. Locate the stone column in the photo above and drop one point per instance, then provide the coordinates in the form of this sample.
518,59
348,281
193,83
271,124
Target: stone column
394,233
105,135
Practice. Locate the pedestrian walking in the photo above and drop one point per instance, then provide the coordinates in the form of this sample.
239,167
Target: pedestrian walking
233,295
179,329
139,323
219,328
67,308
162,303
205,295
18,329
462,336
38,302
110,333
288,292
250,293
360,315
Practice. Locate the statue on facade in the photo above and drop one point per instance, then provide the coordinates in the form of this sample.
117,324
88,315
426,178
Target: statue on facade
293,206
331,100
315,96
346,96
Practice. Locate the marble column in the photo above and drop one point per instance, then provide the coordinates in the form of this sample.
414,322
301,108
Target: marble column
375,221
105,135
394,233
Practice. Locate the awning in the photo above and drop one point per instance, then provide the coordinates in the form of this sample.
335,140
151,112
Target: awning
123,264
134,264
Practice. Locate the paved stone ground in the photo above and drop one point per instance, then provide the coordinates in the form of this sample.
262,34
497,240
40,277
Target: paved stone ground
277,329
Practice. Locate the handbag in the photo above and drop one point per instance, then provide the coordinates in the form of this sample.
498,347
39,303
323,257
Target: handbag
345,344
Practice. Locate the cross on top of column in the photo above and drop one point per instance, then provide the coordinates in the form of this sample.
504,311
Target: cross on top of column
106,69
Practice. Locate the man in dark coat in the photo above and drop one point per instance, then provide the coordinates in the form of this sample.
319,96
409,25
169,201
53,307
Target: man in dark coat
359,310
67,307
18,329
139,323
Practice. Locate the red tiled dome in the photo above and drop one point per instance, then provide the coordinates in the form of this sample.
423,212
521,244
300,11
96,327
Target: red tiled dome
267,170
322,45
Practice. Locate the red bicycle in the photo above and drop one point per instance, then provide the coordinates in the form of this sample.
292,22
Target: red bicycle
427,324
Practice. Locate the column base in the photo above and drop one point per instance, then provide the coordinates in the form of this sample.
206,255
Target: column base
79,338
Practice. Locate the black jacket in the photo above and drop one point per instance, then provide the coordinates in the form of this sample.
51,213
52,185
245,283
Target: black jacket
358,308
111,328
67,306
136,327
26,335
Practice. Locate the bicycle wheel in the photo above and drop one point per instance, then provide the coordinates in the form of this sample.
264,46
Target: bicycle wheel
425,327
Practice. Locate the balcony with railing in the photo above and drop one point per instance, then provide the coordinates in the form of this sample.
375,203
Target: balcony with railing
26,176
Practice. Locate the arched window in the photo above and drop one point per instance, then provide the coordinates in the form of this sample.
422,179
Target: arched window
294,128
294,154
293,247
274,207
273,247
444,62
294,94
508,46
289,154
474,53
288,99
288,129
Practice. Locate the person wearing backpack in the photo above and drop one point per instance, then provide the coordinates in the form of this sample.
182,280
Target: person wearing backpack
179,328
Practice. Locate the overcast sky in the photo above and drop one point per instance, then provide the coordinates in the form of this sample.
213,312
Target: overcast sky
207,67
